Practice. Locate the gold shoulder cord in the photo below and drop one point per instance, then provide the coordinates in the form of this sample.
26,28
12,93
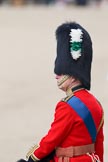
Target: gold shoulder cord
101,122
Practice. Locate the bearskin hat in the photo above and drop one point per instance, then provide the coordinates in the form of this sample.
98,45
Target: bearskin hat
74,52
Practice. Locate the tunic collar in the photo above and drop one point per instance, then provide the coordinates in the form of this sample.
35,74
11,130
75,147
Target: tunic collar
70,91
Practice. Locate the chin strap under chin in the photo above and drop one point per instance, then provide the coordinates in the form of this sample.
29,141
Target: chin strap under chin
63,79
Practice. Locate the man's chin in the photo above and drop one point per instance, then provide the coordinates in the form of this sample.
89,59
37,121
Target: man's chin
61,88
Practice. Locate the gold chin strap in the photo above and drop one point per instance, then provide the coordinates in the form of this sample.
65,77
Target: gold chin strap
63,79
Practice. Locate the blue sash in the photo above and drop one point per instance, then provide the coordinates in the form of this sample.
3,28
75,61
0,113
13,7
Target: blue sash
85,114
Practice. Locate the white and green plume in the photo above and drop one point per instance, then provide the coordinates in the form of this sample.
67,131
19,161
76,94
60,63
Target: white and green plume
75,43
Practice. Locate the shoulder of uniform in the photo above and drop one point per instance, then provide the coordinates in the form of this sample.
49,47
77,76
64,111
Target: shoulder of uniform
66,98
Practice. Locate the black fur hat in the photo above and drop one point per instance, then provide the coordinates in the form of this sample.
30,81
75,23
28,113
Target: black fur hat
65,63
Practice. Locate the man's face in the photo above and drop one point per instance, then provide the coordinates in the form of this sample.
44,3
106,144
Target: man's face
63,82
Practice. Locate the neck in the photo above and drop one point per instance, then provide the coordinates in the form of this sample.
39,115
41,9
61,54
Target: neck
75,87
75,84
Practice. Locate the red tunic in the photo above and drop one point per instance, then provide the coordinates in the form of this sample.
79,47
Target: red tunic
68,129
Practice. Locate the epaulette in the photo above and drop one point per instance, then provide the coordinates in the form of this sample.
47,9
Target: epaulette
66,98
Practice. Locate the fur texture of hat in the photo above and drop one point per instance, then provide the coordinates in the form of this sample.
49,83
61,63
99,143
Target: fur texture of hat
64,63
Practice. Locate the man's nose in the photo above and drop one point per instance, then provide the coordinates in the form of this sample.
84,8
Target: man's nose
57,76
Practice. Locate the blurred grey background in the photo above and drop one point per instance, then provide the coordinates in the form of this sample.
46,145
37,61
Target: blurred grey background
28,90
